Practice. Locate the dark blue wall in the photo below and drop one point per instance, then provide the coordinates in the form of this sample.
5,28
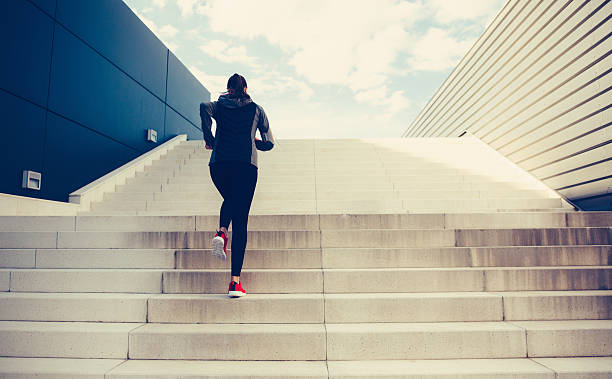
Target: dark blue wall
80,82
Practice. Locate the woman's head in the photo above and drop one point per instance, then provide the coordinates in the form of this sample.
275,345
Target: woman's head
237,86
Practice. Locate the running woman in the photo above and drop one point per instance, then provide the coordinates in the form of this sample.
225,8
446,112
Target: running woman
233,166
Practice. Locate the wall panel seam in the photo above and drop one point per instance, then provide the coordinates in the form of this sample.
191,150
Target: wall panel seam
421,129
550,77
576,153
494,86
180,114
579,168
461,65
111,62
427,129
476,80
592,114
166,91
46,125
559,115
539,71
585,182
520,74
559,100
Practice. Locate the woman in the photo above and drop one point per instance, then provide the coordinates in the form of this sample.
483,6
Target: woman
233,166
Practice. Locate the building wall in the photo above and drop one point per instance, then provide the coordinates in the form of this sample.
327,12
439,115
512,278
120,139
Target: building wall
80,83
536,87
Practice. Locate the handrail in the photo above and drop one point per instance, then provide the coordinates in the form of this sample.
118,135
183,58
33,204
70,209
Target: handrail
95,190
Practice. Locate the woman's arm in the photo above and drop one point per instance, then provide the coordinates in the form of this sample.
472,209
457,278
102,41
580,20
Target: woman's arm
207,112
267,139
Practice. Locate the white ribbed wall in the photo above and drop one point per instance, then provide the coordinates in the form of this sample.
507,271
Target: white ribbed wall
536,87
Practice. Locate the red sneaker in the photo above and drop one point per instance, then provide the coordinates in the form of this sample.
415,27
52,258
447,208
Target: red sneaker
235,290
219,245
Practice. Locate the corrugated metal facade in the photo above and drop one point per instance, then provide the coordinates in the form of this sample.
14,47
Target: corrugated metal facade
536,87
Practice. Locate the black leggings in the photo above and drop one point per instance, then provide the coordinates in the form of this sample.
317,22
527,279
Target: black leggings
236,183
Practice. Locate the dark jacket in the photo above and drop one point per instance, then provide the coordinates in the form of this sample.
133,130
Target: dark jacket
237,119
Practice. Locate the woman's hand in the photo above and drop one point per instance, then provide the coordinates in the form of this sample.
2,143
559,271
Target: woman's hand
208,147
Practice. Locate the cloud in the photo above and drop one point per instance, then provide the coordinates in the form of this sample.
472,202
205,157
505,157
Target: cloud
168,31
328,42
268,85
159,3
215,84
447,11
186,7
164,34
325,121
437,50
148,22
272,83
231,54
379,96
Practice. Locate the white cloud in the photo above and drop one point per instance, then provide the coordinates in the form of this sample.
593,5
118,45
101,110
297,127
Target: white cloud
165,33
149,23
215,84
186,7
268,85
159,3
447,11
232,54
324,121
168,31
328,42
272,83
437,50
379,96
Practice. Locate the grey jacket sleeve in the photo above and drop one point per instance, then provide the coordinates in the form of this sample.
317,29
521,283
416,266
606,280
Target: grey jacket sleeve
267,139
207,113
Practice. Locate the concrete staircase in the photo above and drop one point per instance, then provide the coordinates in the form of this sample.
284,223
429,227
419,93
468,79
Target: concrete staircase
366,258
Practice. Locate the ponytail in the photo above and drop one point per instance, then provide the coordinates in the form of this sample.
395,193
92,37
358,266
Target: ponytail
236,85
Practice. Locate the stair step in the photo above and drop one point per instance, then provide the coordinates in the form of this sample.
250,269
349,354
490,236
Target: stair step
584,367
311,280
256,281
307,341
178,369
424,341
269,342
540,368
441,369
86,280
557,305
568,338
466,237
96,307
306,308
309,222
589,219
534,237
253,259
65,339
105,258
30,368
468,279
467,306
156,240
403,187
515,256
254,308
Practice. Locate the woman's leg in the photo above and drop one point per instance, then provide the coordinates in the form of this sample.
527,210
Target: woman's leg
243,188
222,179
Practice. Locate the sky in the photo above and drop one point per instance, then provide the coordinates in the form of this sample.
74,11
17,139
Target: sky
323,68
